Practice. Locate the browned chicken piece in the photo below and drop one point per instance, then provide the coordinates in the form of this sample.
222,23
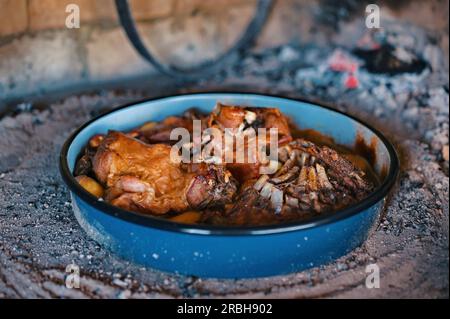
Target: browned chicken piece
241,119
311,180
84,164
141,177
159,132
233,117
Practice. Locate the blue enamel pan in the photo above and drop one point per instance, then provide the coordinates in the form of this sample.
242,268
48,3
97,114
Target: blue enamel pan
223,252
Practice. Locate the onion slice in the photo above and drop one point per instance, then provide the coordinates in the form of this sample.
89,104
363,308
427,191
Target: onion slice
261,182
266,190
277,199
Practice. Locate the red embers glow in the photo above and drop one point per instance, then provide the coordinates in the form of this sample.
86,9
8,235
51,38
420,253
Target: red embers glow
341,62
351,82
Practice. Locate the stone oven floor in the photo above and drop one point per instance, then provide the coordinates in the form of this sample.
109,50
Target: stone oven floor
39,235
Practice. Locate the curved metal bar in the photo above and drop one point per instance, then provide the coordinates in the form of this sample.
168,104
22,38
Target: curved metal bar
203,69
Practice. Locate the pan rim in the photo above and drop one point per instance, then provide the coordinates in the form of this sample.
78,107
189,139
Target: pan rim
166,225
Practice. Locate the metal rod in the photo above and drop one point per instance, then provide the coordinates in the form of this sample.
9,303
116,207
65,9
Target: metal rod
204,69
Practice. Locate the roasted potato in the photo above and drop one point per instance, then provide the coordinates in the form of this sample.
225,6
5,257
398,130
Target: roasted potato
91,185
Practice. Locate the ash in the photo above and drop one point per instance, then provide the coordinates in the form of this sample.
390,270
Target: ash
397,81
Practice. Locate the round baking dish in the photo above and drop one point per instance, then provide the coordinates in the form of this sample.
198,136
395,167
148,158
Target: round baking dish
224,252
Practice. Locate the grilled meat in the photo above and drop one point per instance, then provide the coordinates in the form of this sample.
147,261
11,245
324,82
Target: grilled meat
159,132
235,117
311,180
242,120
136,172
141,177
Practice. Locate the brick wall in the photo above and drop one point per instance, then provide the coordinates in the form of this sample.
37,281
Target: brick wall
38,54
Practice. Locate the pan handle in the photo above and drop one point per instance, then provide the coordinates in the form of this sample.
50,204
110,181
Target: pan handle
207,68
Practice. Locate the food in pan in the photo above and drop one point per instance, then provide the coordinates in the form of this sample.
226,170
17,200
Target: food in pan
301,178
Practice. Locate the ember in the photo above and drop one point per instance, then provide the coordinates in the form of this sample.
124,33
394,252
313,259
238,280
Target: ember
389,60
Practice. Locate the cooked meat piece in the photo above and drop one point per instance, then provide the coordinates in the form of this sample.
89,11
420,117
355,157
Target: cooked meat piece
311,180
159,132
319,178
334,172
240,120
141,177
250,208
84,164
212,186
233,117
